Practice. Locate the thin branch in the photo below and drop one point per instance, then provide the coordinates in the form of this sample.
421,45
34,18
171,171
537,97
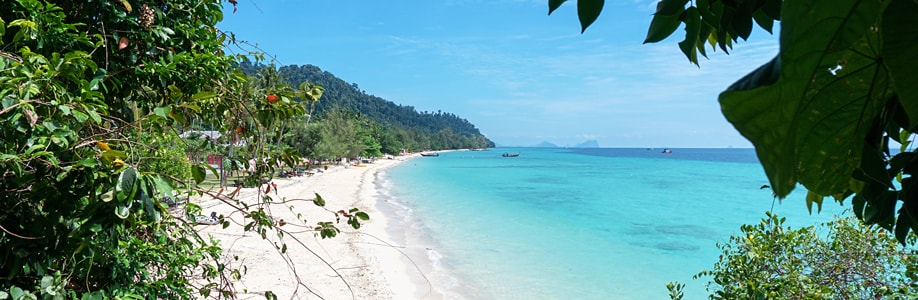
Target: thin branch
10,56
15,105
19,236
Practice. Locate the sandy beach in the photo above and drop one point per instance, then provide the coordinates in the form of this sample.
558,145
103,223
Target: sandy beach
357,264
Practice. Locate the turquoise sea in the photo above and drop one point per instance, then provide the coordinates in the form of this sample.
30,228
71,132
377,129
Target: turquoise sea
594,223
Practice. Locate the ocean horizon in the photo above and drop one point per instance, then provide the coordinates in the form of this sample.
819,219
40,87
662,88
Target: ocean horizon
585,223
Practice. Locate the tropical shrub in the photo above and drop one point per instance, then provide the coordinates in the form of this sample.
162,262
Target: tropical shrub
93,95
841,259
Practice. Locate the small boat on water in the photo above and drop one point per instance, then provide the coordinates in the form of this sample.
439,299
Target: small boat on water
510,154
430,154
667,151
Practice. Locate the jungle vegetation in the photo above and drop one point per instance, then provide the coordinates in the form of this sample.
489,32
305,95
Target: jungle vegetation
94,98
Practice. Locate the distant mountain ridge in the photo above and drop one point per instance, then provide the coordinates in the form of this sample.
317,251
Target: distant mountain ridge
443,128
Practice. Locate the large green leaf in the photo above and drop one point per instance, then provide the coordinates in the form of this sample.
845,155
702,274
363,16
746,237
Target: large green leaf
663,25
125,188
900,53
198,173
808,124
588,11
163,188
692,30
670,7
553,5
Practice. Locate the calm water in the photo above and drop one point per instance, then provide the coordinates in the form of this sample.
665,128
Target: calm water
583,223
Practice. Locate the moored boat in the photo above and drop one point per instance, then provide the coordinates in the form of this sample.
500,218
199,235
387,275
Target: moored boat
430,154
510,154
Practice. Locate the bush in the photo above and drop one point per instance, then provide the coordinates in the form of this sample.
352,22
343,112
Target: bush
841,259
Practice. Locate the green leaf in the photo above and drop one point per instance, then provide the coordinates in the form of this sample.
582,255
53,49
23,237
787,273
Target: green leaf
804,123
553,5
96,118
203,96
16,292
881,208
319,201
763,20
34,148
97,78
362,215
198,173
814,198
80,117
60,138
163,187
900,45
670,7
703,36
149,207
212,170
107,197
191,106
772,8
92,296
588,11
8,101
65,110
163,111
354,222
661,27
742,19
123,210
88,162
692,30
61,176
46,281
127,179
270,295
124,189
902,227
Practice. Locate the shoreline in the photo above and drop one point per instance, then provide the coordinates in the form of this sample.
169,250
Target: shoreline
356,264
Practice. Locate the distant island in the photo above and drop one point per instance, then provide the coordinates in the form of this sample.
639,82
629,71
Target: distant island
547,144
544,144
588,144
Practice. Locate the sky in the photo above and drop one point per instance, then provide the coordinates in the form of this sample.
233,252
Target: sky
519,75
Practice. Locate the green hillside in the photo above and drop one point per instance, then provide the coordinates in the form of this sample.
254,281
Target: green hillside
410,128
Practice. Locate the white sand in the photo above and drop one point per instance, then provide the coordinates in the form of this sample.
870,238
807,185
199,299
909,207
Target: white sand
357,264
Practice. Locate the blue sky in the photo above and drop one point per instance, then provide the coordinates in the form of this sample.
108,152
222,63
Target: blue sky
521,76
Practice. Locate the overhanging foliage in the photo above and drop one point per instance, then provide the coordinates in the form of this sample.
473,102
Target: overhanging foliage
824,112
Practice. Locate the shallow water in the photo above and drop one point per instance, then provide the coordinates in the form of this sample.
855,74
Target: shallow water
582,223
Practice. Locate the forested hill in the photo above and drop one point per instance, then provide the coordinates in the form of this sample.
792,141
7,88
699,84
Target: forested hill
347,95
